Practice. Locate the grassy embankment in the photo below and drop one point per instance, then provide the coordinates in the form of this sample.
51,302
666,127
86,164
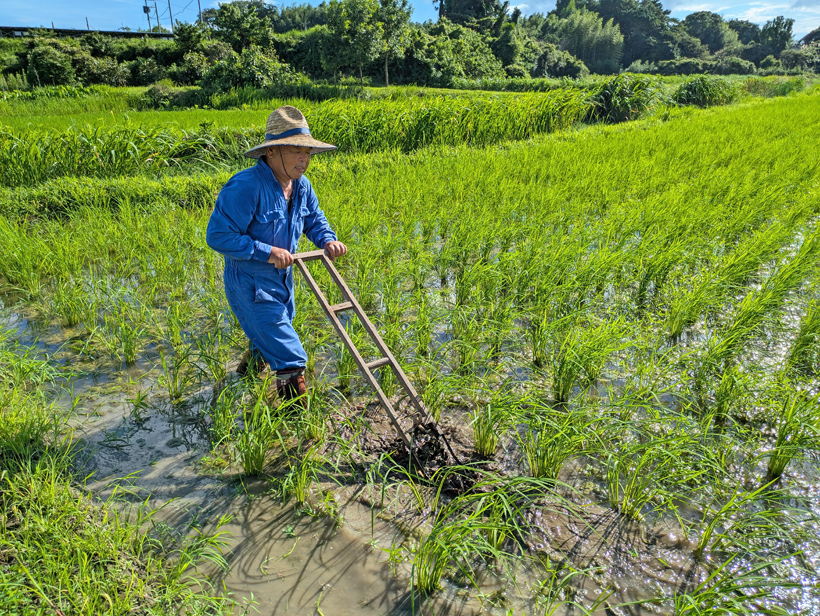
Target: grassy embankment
655,282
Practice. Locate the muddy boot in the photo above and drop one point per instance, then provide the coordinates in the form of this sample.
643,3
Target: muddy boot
291,385
251,364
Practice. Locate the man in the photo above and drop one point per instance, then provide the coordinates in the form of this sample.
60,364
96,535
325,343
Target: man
260,215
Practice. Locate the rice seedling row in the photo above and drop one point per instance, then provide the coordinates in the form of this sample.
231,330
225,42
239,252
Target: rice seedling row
622,318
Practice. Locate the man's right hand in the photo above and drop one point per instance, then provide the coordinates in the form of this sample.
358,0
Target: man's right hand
280,257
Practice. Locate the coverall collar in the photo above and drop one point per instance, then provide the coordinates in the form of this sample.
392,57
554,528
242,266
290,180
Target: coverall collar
267,172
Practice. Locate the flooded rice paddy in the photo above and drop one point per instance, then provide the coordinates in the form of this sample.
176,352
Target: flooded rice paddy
618,328
349,548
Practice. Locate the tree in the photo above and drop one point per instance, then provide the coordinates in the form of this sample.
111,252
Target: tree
357,30
515,46
251,68
441,52
297,17
554,62
686,45
190,37
776,35
394,15
811,37
239,25
708,27
645,26
597,44
747,31
464,11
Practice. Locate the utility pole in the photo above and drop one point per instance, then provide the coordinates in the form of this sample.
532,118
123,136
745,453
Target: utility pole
156,12
171,15
86,24
199,4
147,10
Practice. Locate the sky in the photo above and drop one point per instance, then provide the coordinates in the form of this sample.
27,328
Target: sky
114,14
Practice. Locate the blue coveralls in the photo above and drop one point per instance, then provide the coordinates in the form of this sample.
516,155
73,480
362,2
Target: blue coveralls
251,216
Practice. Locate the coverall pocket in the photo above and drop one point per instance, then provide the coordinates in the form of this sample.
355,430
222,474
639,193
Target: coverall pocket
274,308
268,215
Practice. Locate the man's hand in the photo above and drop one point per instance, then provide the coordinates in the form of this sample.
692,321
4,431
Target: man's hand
335,249
280,257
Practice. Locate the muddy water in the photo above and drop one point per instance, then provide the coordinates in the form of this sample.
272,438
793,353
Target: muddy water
281,560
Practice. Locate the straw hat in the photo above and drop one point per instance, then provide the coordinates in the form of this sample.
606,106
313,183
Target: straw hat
287,126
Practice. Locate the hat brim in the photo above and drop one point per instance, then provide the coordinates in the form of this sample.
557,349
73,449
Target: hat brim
302,141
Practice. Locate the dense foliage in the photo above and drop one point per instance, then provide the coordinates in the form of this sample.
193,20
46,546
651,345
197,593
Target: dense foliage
245,43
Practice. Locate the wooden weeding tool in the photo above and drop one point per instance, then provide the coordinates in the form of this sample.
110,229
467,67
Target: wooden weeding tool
387,359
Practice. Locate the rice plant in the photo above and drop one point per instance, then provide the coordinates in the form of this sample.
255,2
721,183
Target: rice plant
177,372
540,252
579,351
797,424
214,353
804,354
302,473
491,419
257,436
223,412
552,438
635,475
69,305
123,332
314,415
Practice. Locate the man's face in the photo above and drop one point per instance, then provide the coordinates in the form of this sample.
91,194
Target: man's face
291,159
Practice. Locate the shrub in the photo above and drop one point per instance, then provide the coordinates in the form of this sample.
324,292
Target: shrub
217,50
804,59
732,65
639,66
158,95
250,68
101,71
554,62
15,81
770,63
145,71
516,70
684,66
47,66
705,91
193,67
623,97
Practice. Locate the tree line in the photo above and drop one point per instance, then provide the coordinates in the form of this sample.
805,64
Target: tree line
250,43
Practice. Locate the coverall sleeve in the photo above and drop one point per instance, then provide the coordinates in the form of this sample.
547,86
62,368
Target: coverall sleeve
317,229
227,231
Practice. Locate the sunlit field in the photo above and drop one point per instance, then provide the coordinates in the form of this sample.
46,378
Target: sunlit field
616,322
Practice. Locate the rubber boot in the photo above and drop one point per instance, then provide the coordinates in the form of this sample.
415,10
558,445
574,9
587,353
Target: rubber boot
293,387
250,364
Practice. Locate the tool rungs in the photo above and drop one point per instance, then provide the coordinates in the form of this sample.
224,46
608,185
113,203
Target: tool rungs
337,308
377,364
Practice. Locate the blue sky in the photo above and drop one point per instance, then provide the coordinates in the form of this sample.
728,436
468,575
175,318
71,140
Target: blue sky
113,14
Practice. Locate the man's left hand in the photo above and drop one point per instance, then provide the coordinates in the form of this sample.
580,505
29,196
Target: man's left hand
335,249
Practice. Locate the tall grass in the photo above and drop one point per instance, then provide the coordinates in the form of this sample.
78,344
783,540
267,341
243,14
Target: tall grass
705,91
